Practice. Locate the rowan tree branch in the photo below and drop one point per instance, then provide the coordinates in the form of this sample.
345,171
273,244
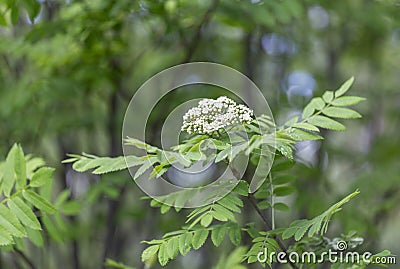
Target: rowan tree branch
25,258
193,44
264,218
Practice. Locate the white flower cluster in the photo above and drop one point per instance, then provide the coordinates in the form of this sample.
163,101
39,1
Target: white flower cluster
212,115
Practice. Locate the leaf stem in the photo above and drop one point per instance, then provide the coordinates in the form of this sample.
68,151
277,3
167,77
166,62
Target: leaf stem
13,195
26,187
253,202
25,258
272,201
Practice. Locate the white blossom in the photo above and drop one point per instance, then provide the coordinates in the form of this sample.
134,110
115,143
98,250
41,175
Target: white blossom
212,115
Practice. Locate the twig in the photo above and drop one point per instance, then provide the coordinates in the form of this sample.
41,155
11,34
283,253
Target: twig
272,201
74,242
25,258
253,202
113,205
196,38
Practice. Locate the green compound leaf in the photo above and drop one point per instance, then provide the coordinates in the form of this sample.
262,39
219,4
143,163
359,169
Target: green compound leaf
317,225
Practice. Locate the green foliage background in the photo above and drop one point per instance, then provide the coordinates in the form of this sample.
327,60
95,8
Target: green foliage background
66,80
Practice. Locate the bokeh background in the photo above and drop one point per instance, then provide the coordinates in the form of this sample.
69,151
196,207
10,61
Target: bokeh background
68,70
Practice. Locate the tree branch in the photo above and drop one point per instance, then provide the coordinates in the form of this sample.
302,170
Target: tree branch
25,258
253,202
196,38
